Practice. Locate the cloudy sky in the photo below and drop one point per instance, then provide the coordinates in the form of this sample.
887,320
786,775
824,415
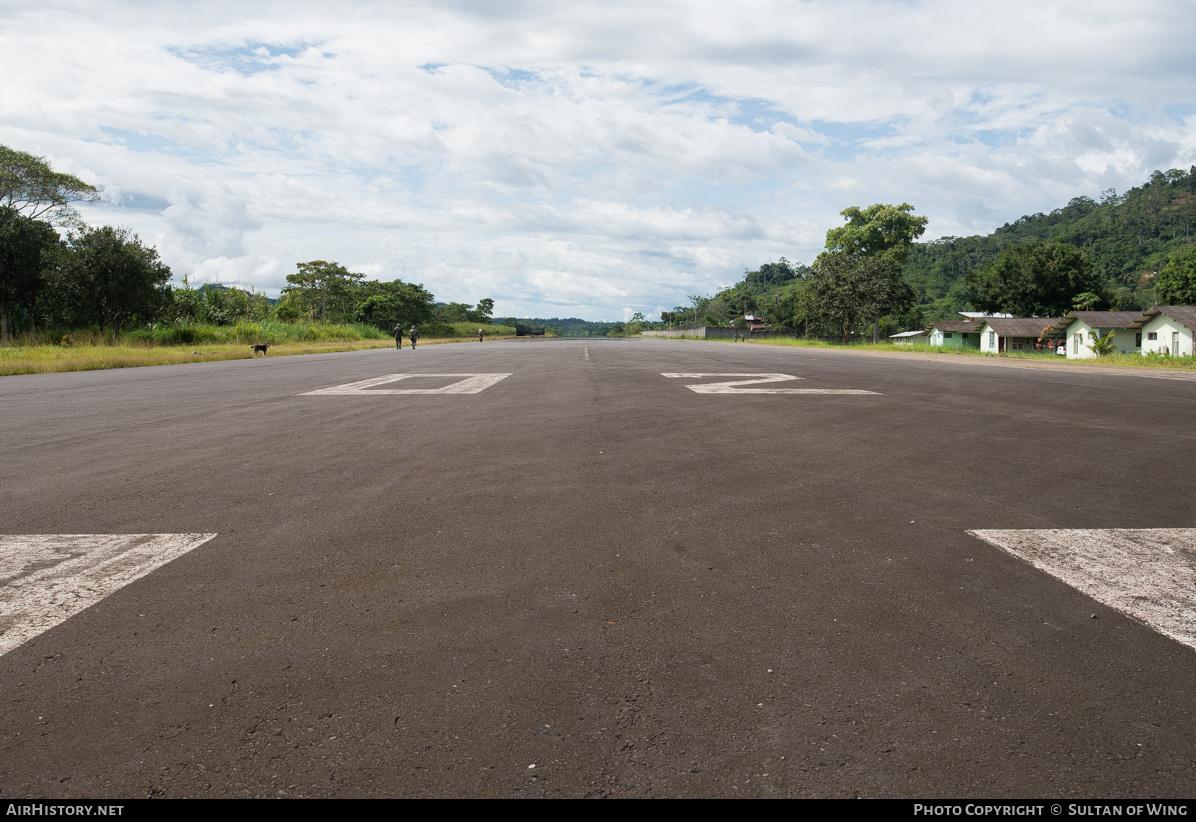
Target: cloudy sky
583,159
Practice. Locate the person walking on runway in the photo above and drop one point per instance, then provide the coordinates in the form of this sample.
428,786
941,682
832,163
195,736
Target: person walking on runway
414,336
398,332
479,335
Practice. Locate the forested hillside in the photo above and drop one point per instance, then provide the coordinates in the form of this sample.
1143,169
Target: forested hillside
1126,236
1123,241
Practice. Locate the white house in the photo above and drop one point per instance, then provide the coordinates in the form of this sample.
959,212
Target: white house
1079,329
955,333
1167,329
1001,335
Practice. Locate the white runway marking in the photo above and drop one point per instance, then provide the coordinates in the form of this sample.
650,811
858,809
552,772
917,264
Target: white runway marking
732,386
48,578
470,384
1148,574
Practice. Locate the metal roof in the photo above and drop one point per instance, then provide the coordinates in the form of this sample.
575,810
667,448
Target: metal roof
1183,314
1095,319
1018,326
962,326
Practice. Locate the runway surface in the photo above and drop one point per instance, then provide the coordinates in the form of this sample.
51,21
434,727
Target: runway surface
589,577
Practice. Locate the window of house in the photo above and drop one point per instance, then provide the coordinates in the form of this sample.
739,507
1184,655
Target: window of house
1138,340
1152,336
1018,345
992,336
946,335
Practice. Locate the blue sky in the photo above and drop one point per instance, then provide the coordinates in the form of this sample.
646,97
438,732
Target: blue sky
583,159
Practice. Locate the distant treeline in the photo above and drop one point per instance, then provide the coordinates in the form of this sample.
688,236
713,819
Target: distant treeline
107,279
567,327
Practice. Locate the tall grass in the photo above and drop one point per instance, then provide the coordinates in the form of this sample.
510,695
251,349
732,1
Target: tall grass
57,349
273,332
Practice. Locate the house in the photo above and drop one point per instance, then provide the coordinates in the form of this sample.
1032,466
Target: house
1002,335
955,333
754,324
1167,329
1079,329
909,338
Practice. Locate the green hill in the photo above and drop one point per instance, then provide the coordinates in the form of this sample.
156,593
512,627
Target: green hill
1127,236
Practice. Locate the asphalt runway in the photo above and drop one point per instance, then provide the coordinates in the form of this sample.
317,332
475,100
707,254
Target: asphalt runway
588,579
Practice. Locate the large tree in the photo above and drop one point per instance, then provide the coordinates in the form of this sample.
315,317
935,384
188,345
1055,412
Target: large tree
109,277
394,303
846,290
29,185
882,235
318,284
1035,280
24,245
879,230
1177,281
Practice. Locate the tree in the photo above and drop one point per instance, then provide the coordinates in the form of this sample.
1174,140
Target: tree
29,185
394,303
1177,281
1035,280
881,233
24,244
877,231
317,284
216,304
1103,346
845,290
110,278
1085,301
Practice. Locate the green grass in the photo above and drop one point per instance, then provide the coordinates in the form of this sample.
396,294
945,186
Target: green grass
44,359
55,350
1184,363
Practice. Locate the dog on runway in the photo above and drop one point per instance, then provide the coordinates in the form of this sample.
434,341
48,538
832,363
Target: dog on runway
262,348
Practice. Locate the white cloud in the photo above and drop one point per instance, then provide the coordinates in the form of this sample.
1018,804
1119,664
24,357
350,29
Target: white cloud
583,158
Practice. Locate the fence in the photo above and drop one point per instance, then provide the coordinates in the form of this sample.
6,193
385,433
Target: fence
712,333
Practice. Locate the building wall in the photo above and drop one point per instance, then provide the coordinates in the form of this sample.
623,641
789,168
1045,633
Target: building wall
990,340
1124,340
958,339
712,333
1163,327
692,332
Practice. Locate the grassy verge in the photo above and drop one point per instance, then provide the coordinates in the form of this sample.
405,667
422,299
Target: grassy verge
85,350
45,359
1184,363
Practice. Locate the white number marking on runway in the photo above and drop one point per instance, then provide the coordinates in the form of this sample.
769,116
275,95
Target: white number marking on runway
48,578
733,386
469,384
1148,574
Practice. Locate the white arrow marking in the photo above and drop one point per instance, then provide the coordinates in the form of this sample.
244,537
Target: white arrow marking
732,386
471,384
1148,574
48,578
